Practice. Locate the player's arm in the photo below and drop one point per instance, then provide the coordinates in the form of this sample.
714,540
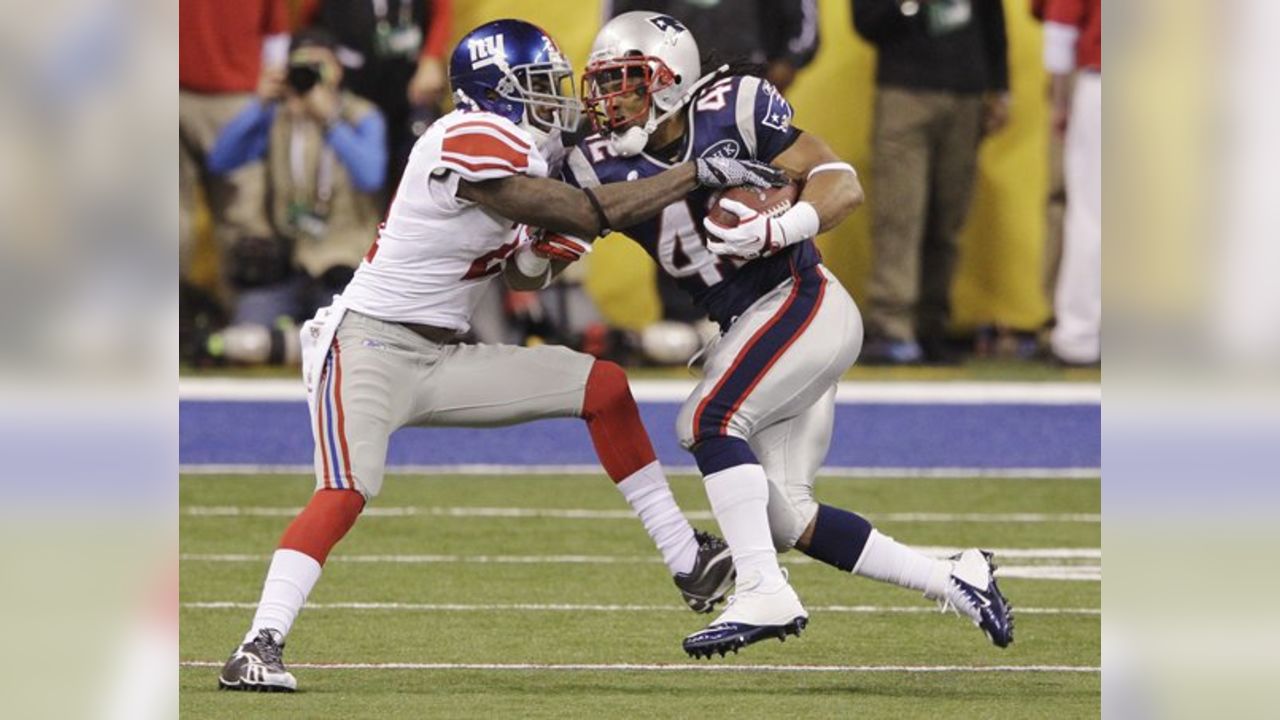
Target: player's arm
560,207
831,191
592,212
830,185
530,278
542,256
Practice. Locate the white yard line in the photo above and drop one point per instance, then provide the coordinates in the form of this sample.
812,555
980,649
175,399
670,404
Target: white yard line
1021,553
1022,393
577,608
1058,572
943,473
686,667
588,514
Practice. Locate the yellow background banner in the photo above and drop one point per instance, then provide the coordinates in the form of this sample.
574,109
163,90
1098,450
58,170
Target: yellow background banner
999,275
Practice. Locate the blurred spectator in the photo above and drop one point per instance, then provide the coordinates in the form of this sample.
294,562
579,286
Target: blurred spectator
1073,46
943,80
1056,202
222,47
325,151
780,34
394,54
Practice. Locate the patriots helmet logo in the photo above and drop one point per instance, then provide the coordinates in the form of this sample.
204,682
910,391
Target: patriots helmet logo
666,22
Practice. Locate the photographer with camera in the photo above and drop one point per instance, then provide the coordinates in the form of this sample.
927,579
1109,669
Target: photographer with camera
326,157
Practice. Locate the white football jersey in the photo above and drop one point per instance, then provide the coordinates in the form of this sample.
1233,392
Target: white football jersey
436,252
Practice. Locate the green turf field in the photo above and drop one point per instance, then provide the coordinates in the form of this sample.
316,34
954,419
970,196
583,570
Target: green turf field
477,570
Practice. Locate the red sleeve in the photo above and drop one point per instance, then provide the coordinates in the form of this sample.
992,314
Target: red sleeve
481,149
275,18
439,27
1065,12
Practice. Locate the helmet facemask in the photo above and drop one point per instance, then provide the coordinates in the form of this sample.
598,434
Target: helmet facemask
606,83
546,91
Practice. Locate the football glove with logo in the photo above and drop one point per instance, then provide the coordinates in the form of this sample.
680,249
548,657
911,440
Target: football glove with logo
722,172
759,235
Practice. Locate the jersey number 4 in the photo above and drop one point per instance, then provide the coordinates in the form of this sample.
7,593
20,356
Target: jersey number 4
681,251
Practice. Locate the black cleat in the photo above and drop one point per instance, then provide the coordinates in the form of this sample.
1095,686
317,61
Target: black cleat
258,666
711,577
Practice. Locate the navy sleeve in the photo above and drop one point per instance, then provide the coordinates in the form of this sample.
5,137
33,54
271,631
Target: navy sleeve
774,132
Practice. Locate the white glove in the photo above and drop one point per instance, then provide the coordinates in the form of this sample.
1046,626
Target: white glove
758,235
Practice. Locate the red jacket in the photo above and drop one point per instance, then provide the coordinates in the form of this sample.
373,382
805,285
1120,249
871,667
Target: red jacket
220,42
1085,16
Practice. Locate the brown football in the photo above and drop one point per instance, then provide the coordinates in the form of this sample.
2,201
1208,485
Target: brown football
770,201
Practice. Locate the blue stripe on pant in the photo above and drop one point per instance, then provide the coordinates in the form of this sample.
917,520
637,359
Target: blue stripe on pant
759,354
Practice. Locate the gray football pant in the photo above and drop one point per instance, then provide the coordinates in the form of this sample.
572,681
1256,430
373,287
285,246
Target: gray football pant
380,376
771,380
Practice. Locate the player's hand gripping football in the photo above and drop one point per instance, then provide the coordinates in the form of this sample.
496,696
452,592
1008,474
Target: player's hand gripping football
555,246
721,172
755,235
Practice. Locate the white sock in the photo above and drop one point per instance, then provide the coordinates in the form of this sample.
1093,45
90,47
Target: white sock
739,498
648,493
888,560
289,581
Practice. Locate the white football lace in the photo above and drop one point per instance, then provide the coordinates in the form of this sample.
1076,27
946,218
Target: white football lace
945,603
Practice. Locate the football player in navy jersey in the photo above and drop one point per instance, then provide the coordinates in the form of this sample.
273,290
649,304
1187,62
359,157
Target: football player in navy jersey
759,423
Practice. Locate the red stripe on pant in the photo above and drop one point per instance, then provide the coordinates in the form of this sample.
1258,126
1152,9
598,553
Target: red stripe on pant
742,354
813,312
342,416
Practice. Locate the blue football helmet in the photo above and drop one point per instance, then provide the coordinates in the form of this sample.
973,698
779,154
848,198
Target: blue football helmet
514,69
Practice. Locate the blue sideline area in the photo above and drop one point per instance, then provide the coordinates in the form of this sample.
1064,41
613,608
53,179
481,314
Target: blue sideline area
867,435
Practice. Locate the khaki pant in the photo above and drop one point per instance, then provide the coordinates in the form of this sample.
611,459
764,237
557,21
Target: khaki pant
925,147
238,201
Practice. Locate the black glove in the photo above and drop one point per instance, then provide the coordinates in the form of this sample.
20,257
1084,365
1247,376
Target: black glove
721,172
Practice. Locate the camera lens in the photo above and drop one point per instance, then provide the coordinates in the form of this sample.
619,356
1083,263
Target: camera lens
303,77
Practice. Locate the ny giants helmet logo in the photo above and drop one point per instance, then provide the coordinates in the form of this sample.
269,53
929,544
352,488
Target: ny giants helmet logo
666,22
486,51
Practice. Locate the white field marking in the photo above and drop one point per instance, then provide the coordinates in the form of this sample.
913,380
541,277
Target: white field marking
1076,573
929,393
942,473
659,667
558,607
587,514
940,552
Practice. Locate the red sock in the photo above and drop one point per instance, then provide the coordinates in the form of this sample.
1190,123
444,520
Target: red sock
323,522
614,421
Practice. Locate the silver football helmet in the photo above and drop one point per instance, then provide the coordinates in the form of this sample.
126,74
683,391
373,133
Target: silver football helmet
645,52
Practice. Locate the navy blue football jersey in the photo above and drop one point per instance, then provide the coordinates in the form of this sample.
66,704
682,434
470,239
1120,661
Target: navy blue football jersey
738,116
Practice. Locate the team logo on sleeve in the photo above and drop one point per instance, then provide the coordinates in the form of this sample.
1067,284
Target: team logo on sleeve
666,22
778,113
727,148
486,51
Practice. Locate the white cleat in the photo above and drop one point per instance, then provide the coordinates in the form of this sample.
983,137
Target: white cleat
754,613
972,592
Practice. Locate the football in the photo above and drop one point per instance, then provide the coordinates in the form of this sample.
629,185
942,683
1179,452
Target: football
770,201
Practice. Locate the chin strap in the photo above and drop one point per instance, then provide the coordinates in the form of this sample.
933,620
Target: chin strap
632,142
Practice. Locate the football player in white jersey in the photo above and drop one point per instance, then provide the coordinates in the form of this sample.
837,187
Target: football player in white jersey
385,356
760,421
